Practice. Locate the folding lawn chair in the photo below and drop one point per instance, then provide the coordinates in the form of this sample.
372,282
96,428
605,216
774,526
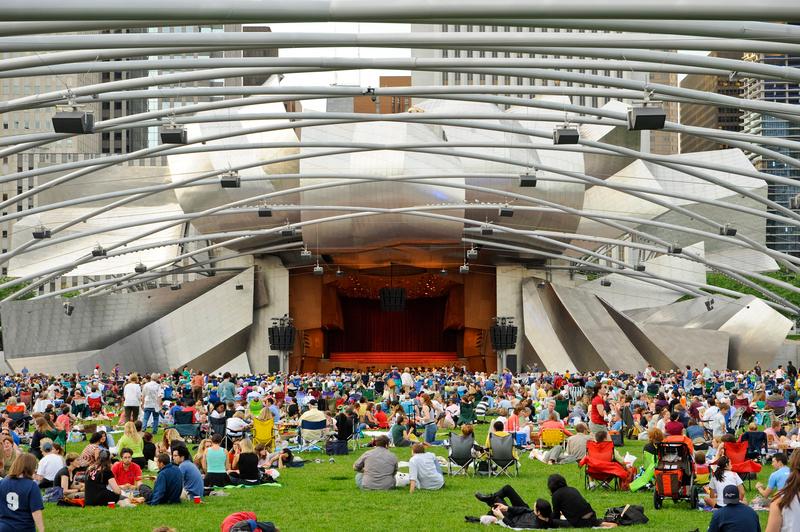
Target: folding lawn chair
459,454
551,437
217,425
264,433
185,426
501,456
599,465
311,433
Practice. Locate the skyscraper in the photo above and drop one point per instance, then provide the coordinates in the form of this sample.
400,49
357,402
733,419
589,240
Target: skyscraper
780,236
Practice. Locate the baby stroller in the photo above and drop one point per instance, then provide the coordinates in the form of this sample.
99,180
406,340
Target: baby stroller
674,472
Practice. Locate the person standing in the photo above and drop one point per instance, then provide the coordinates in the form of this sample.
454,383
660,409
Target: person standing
132,394
198,381
151,400
226,389
21,502
597,411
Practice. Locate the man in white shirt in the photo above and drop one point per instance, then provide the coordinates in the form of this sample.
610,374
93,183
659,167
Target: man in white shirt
132,394
50,464
151,399
424,471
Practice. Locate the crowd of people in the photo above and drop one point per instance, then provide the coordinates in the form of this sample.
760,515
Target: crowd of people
405,408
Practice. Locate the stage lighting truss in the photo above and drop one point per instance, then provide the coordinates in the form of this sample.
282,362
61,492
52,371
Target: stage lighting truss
472,253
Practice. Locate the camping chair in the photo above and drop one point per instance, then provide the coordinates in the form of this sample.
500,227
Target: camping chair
467,415
185,426
551,437
264,433
737,453
459,454
649,465
255,407
736,420
310,443
501,455
757,446
599,465
217,425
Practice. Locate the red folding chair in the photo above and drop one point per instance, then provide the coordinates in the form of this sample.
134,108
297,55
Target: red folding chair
599,466
737,454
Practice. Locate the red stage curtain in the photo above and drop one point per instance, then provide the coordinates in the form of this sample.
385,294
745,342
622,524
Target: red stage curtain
367,328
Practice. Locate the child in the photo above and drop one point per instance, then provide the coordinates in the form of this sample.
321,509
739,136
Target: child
702,473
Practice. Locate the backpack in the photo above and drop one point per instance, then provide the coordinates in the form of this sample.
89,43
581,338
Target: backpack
630,514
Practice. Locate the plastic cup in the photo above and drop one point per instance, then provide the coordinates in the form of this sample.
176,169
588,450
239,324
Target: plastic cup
197,499
112,504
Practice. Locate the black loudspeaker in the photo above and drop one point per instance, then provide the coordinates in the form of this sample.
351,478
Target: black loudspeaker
566,135
273,364
80,122
173,135
393,299
651,117
503,337
281,338
511,363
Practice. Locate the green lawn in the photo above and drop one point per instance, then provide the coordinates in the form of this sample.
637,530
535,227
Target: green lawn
324,497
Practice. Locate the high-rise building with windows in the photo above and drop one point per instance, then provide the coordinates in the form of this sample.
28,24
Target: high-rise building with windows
700,115
780,236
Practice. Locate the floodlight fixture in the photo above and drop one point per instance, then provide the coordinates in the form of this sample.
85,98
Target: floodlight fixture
463,269
674,249
287,230
727,230
264,212
486,230
472,253
305,252
318,270
239,286
339,272
99,251
140,268
639,267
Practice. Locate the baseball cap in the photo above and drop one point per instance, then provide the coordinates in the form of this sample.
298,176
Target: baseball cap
47,447
730,495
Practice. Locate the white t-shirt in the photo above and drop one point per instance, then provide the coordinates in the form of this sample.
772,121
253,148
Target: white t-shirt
133,394
236,425
49,465
152,394
730,478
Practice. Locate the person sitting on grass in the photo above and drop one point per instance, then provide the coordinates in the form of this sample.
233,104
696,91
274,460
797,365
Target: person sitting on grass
376,469
148,448
65,477
722,477
126,472
573,450
734,516
244,468
49,465
22,505
425,473
100,486
192,479
399,433
169,482
132,439
569,503
777,480
215,463
508,507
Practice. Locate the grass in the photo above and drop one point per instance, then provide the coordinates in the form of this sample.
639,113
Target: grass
324,497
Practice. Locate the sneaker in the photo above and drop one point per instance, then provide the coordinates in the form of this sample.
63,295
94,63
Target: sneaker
472,519
592,484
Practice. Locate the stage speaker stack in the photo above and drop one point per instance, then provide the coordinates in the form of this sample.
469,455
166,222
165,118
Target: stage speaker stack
281,337
393,299
503,337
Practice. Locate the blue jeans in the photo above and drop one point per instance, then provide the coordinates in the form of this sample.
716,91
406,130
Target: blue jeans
147,413
430,433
